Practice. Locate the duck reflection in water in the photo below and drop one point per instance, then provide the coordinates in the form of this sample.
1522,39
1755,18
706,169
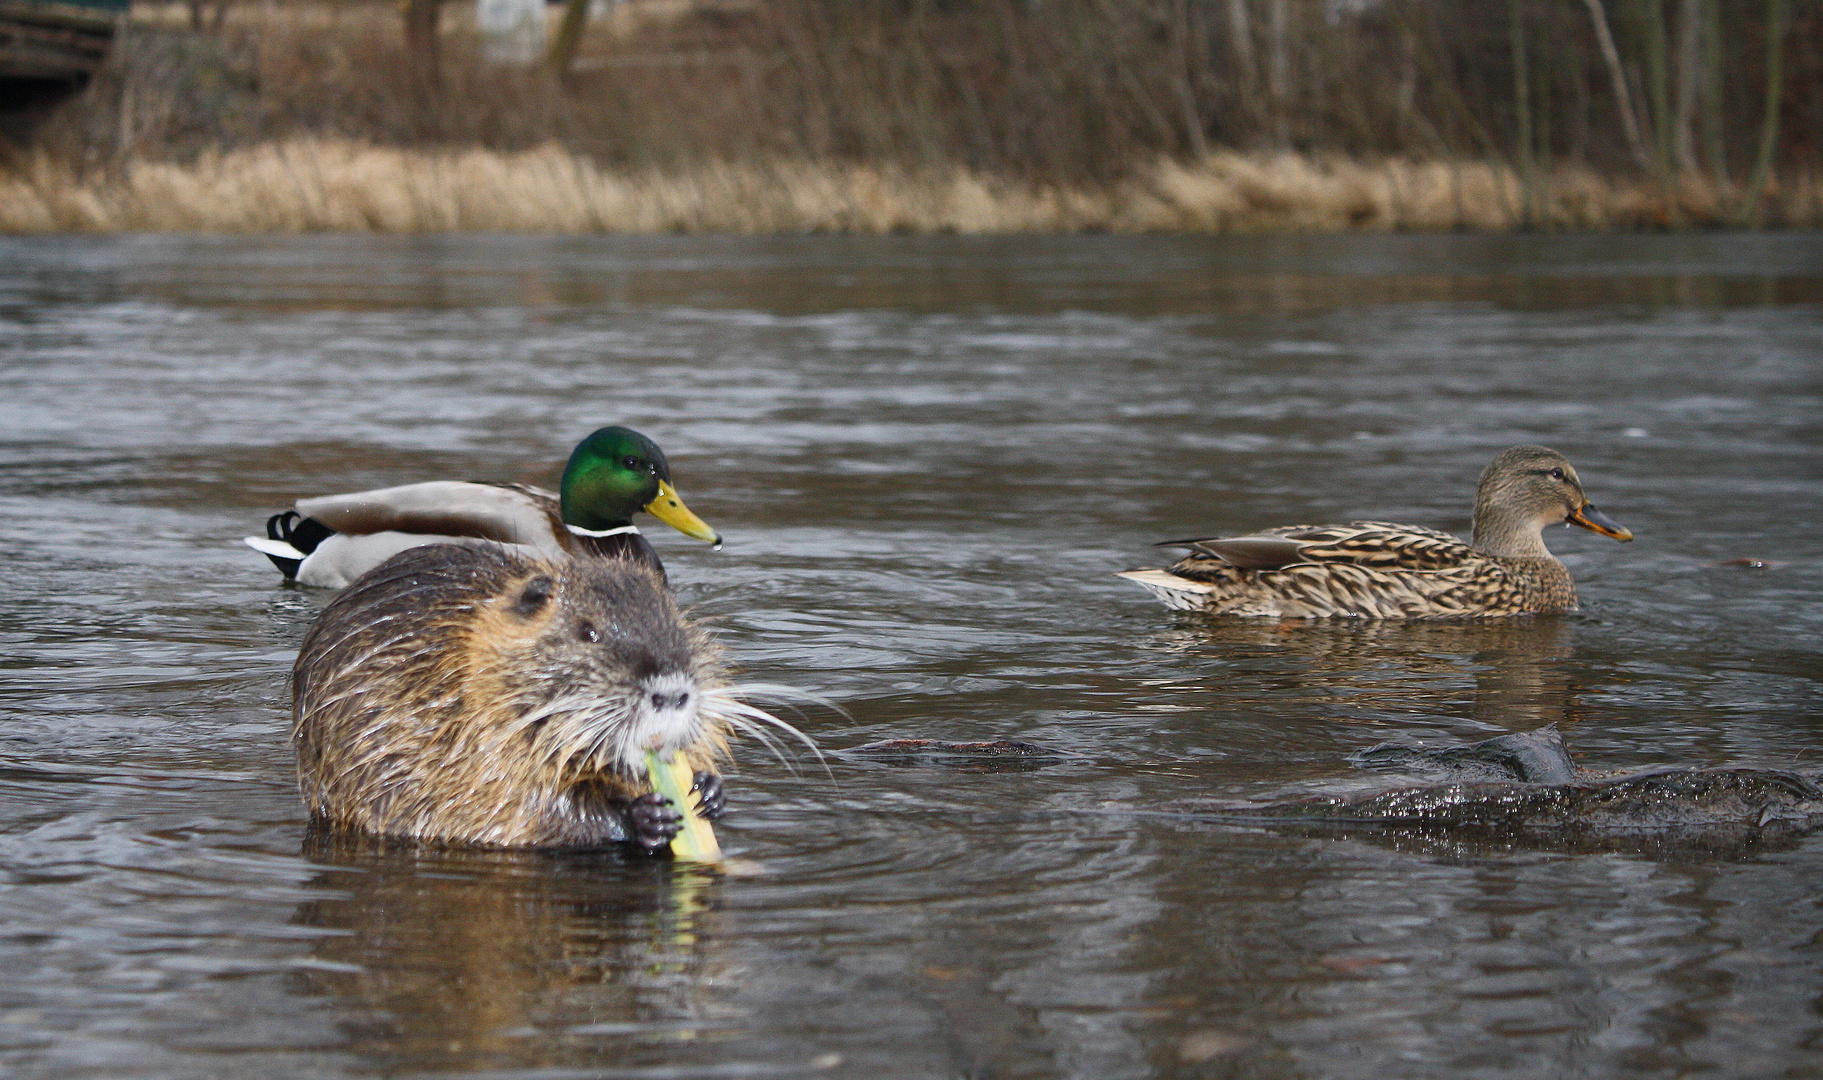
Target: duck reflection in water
1507,674
484,959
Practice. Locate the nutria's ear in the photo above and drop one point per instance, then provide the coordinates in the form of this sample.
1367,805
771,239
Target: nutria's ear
537,593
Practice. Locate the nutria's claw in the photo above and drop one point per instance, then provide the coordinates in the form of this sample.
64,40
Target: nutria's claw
652,821
714,799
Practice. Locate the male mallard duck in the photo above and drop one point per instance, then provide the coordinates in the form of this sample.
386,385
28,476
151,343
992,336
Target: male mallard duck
1380,570
615,472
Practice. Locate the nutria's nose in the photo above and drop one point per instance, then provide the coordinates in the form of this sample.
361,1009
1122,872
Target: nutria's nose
671,701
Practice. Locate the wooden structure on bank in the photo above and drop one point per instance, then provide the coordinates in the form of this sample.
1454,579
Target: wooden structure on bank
49,48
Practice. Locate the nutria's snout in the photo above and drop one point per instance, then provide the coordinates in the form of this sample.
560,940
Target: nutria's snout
666,711
471,695
603,667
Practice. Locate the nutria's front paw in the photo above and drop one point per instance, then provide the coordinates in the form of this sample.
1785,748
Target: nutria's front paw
652,821
713,799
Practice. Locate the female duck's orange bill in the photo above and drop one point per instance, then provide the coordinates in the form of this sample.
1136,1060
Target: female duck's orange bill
1596,521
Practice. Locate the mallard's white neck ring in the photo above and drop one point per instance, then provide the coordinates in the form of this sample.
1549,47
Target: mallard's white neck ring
617,531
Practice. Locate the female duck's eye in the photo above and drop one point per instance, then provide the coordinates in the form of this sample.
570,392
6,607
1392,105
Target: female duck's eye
1557,474
586,632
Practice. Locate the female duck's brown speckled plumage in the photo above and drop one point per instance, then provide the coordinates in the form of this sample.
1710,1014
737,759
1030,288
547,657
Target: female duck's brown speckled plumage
1381,570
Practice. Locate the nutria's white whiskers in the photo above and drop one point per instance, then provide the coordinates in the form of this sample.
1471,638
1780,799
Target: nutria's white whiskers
578,726
728,705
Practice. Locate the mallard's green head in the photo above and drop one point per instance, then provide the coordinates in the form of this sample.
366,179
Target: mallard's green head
617,472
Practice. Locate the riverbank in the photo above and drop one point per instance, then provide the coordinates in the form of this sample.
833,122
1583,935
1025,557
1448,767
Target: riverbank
339,185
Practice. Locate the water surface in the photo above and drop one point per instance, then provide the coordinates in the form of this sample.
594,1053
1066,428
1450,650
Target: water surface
927,456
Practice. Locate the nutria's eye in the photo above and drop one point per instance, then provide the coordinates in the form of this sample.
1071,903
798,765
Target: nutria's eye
1557,474
537,592
586,631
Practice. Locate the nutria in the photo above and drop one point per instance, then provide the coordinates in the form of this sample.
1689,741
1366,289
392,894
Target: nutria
475,695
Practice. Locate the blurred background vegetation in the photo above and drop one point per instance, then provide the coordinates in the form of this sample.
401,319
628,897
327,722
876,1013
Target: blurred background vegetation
1080,93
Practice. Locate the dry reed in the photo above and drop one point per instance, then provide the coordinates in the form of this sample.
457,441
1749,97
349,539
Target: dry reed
327,184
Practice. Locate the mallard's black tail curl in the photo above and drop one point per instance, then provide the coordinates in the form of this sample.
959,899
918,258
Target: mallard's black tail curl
292,537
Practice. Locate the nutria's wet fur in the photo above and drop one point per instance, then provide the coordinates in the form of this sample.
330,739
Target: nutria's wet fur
470,695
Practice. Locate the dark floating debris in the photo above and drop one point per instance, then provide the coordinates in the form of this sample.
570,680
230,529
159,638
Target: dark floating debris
1661,799
1751,564
1524,789
1533,757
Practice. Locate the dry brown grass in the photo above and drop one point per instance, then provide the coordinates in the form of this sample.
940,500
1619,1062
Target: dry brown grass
1064,92
890,115
327,184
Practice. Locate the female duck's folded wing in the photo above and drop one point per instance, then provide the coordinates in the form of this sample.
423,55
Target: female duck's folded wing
1377,545
1266,551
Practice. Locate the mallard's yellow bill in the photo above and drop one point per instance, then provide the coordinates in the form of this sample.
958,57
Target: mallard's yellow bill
674,779
1596,521
671,510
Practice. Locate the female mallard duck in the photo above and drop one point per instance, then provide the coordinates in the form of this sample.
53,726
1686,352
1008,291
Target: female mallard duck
331,540
1380,570
477,695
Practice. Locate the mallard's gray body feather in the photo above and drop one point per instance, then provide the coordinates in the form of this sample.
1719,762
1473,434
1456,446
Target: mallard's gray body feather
506,513
370,527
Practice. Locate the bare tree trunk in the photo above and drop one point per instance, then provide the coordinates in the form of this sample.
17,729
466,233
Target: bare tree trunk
1690,80
1186,90
1406,99
1749,213
421,35
1658,87
1278,71
1623,101
1240,33
1155,118
1712,111
1522,108
562,51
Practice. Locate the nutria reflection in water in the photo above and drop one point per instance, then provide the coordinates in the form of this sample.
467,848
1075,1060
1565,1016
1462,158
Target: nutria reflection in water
464,959
473,695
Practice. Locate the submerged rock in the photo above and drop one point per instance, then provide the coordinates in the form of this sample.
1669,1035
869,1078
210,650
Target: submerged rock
1538,757
1524,789
1658,799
